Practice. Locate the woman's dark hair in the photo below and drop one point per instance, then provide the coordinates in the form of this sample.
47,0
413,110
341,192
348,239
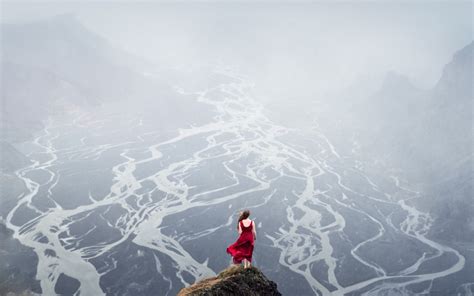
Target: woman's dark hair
243,215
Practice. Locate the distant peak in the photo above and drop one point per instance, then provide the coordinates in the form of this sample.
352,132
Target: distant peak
464,55
66,26
465,51
395,80
457,76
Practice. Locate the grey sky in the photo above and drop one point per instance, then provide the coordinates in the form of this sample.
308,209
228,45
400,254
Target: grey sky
328,45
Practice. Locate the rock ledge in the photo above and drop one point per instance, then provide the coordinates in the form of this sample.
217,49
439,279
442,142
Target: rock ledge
234,280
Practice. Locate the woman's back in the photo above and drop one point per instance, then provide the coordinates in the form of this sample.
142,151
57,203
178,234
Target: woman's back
246,224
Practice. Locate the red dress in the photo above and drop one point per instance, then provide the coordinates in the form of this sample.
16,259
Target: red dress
243,247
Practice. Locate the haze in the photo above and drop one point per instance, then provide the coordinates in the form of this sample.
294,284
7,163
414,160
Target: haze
132,133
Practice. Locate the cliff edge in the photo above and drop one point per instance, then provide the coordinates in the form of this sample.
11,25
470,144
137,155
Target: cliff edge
234,280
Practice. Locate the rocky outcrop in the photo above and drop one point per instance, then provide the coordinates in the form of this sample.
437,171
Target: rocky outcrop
234,280
17,266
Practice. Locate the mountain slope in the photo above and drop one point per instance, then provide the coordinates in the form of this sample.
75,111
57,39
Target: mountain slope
447,132
10,158
64,47
428,134
59,59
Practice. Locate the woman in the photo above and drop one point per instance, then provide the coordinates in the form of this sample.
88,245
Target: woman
242,249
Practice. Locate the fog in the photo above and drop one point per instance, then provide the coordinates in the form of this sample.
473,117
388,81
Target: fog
132,134
338,42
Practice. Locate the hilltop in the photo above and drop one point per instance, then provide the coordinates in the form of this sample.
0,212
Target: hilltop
234,280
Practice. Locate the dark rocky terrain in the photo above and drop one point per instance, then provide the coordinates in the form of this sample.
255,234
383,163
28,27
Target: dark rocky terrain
17,266
234,281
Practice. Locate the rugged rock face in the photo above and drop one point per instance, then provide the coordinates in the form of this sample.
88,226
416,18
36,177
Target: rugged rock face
234,280
17,266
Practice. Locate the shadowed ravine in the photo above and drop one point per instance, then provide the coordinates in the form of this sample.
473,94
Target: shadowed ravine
97,186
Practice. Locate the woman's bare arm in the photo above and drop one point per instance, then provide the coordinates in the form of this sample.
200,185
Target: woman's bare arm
254,230
240,229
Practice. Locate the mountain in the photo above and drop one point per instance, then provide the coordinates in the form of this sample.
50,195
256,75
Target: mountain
58,61
64,47
10,158
27,95
447,132
428,133
457,78
234,280
447,125
58,58
396,100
